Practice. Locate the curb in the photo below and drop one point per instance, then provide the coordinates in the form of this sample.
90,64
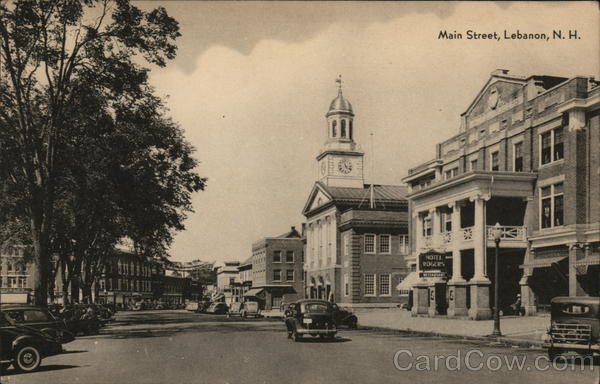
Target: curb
499,341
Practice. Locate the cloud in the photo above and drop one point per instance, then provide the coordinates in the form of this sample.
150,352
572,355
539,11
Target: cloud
252,97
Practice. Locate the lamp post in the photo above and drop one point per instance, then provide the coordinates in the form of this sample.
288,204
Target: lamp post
497,234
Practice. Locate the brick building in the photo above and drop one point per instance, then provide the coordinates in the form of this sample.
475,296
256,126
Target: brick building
526,157
356,234
15,281
277,270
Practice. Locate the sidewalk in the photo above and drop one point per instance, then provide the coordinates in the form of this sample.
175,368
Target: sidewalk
523,331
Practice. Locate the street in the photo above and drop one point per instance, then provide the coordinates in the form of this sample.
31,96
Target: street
184,347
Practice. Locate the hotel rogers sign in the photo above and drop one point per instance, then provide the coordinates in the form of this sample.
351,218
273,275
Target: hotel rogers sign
432,264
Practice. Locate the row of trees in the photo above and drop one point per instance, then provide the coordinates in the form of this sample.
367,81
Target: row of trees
87,154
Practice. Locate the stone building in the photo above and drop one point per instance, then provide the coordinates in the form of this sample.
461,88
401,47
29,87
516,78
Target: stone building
356,234
525,157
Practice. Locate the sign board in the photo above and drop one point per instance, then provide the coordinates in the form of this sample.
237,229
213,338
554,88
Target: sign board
432,264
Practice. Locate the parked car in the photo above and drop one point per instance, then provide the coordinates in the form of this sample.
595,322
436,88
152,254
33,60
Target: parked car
310,317
24,347
40,319
250,309
203,306
218,308
235,309
81,318
344,317
574,326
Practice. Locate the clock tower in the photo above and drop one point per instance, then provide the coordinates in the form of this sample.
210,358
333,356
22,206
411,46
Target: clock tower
340,163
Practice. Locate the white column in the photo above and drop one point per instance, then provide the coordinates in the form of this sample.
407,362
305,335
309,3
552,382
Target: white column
456,240
418,233
435,227
479,239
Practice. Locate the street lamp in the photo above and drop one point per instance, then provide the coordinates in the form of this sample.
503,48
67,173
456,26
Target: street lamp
497,232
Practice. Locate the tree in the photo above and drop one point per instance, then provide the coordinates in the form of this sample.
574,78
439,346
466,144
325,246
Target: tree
52,52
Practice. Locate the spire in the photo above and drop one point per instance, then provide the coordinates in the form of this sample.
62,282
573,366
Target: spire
338,81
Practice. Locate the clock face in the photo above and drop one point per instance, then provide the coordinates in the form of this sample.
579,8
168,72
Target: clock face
323,168
345,166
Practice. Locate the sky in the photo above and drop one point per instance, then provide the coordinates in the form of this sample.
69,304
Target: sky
253,80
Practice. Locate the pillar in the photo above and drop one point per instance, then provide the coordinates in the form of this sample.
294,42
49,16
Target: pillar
419,233
527,295
420,299
480,284
457,286
435,228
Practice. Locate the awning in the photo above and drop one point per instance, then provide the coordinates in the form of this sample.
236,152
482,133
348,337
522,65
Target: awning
253,292
543,263
407,283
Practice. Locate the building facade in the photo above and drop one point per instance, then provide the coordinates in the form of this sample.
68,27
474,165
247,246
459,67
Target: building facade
526,157
356,234
15,281
277,275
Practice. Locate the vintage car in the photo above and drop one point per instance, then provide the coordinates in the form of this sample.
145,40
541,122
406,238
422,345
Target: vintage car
310,317
244,310
24,347
344,317
218,308
40,319
574,326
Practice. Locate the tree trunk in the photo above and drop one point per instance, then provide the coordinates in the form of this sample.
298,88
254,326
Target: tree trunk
39,265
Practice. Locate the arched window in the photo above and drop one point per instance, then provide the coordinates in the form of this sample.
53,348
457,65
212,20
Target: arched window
350,129
333,128
343,131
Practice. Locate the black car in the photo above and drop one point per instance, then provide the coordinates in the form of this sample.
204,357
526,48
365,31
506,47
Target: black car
218,308
81,318
344,317
40,319
24,347
310,317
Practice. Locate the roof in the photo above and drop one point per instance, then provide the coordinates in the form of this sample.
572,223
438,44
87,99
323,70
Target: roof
380,192
292,233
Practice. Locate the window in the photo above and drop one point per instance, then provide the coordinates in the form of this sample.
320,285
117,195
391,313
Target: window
494,162
350,129
384,285
31,316
474,165
551,146
346,245
369,243
343,132
427,226
552,206
346,285
289,275
369,285
403,244
518,155
277,256
384,243
277,275
289,257
446,222
334,128
450,173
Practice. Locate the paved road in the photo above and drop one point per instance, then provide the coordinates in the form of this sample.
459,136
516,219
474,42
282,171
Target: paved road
183,347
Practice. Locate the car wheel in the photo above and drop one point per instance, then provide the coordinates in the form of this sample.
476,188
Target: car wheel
296,336
27,359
